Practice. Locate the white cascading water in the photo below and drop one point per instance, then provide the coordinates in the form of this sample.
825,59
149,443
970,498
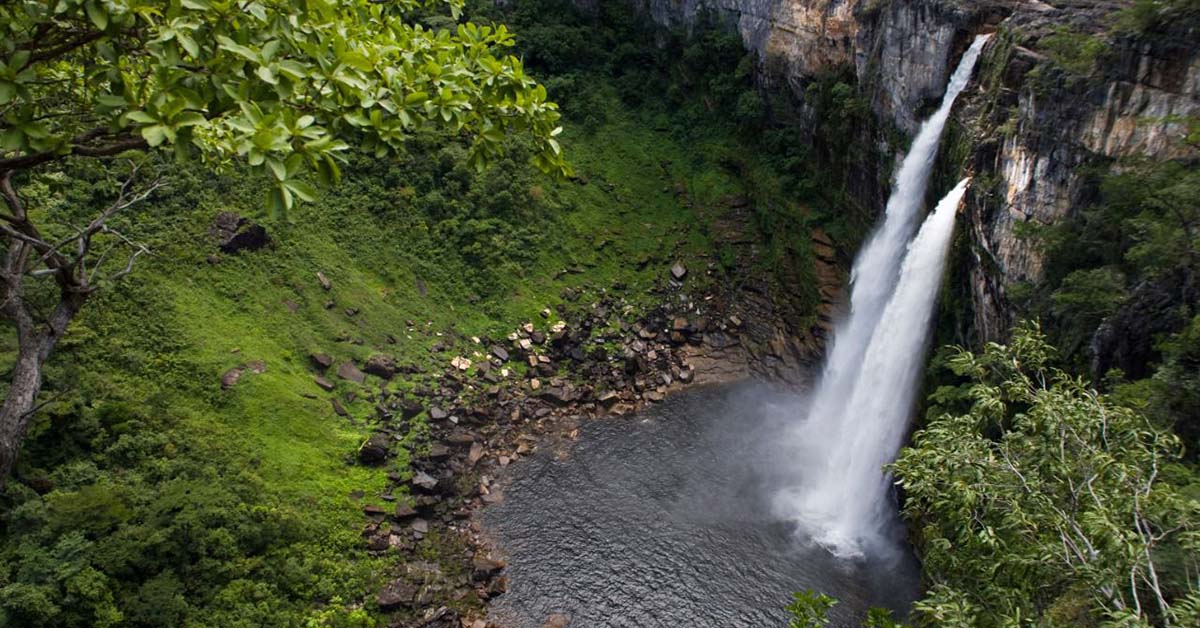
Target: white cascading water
866,390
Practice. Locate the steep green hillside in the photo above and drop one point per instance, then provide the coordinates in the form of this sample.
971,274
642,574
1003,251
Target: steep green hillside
149,493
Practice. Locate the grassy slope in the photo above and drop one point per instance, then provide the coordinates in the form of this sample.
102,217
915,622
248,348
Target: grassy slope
162,339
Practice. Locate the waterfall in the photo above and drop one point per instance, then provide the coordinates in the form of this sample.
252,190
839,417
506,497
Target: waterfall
860,409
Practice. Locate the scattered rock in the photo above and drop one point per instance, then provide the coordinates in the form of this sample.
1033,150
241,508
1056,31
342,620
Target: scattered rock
381,366
338,409
321,361
231,377
437,414
475,454
424,481
404,512
678,271
326,285
557,620
375,450
485,568
349,371
500,352
410,408
323,383
399,592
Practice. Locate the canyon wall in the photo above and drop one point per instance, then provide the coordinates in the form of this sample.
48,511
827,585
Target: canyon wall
1028,128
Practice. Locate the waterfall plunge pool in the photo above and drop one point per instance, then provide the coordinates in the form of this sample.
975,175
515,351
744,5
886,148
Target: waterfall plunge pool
664,519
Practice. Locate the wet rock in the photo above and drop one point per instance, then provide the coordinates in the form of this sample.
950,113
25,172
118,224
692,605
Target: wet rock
485,568
235,233
348,371
381,366
496,587
375,450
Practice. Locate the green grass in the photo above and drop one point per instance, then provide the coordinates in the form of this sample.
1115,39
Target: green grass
152,349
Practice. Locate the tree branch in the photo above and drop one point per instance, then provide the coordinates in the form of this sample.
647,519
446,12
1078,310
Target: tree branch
81,145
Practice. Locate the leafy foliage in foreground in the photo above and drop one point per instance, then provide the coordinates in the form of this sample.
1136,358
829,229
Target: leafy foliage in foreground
1047,502
282,85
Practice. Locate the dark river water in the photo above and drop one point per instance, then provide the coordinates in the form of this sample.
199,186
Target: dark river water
664,519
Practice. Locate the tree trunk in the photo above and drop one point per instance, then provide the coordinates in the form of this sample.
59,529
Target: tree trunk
18,408
35,341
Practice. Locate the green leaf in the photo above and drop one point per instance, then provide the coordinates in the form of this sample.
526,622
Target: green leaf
140,117
97,13
277,168
302,190
154,135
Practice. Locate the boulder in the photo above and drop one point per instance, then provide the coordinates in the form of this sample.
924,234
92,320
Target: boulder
321,361
323,383
399,592
381,366
231,377
375,450
404,512
410,408
424,481
349,371
485,568
235,233
500,352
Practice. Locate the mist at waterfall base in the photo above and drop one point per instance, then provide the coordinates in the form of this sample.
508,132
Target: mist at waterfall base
664,519
860,409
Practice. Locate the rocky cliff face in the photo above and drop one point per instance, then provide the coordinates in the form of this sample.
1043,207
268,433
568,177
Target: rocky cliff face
1030,126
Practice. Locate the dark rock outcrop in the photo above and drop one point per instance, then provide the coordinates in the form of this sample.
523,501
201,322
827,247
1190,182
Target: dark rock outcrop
235,233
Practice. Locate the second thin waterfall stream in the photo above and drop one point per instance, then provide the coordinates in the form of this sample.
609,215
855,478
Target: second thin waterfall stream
859,414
